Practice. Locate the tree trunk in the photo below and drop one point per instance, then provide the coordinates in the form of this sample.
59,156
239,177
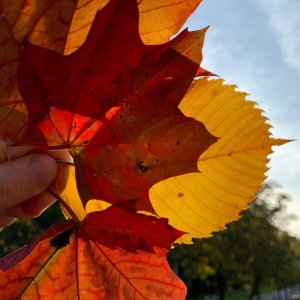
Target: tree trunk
255,290
221,282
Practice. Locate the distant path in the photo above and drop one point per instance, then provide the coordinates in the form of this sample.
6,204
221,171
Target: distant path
290,293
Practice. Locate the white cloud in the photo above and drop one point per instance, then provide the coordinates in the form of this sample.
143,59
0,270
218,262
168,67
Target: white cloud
284,19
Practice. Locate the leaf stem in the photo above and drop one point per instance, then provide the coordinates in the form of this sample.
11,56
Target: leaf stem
64,204
68,163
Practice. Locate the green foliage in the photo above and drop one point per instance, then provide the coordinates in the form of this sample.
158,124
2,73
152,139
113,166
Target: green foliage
23,231
252,252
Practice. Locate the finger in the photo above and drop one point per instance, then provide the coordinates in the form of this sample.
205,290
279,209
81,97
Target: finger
9,152
61,155
25,177
35,206
6,221
31,208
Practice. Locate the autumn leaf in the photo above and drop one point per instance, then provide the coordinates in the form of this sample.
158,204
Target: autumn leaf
63,26
45,23
232,169
113,254
66,189
13,113
159,21
114,105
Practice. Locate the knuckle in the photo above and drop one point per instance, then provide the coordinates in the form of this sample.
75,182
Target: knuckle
6,221
4,190
9,187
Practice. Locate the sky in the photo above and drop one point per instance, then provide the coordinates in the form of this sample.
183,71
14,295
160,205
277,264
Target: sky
255,44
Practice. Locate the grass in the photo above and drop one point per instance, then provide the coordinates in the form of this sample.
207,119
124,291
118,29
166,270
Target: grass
233,295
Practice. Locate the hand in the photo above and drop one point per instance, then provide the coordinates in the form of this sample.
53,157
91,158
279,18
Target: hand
23,181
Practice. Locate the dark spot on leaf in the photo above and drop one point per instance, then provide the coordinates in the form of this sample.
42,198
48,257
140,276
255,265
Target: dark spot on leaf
142,168
177,144
61,240
83,143
180,195
147,75
157,159
67,78
121,116
141,243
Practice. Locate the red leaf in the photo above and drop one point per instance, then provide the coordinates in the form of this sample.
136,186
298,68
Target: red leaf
16,257
114,104
203,72
120,226
87,261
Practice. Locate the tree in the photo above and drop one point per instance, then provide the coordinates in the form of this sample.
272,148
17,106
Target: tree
23,231
252,251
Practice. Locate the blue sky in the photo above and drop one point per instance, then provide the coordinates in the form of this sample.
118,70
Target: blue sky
255,44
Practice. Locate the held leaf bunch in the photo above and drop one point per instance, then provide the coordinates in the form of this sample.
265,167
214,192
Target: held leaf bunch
161,152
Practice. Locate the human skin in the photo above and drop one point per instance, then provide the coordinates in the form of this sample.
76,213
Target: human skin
24,178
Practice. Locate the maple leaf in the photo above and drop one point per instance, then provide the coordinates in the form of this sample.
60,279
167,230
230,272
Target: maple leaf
114,104
45,23
232,169
158,21
13,113
89,260
63,26
66,191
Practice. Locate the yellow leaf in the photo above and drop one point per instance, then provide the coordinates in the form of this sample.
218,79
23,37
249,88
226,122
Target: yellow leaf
158,20
81,23
232,169
67,190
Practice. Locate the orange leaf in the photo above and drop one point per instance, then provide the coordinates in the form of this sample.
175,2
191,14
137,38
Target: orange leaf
44,23
63,25
159,21
88,262
13,113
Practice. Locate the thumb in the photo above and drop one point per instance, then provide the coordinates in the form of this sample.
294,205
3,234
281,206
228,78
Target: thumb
25,177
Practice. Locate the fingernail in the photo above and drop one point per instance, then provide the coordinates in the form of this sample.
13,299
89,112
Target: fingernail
44,168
